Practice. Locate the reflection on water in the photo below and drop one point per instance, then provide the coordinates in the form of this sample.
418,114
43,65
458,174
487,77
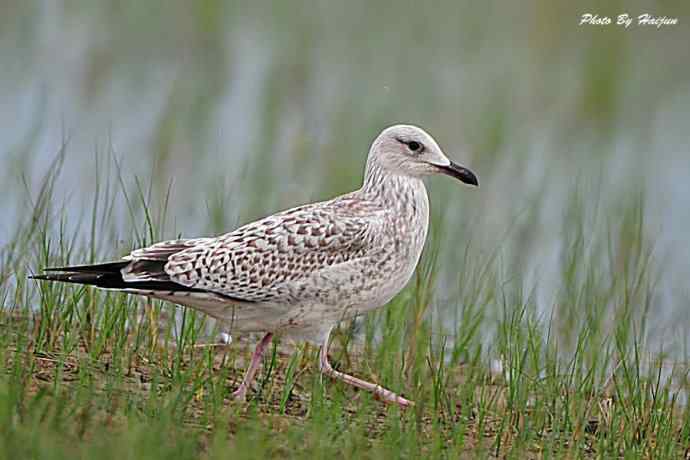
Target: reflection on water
242,112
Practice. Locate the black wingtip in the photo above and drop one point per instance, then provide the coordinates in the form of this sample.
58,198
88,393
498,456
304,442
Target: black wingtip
107,267
61,277
83,274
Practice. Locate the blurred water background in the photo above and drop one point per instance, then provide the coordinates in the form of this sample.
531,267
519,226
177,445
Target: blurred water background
230,111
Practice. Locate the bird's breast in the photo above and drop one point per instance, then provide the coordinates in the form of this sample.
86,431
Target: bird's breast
405,235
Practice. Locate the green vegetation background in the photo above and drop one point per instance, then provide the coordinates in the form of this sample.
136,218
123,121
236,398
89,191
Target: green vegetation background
549,316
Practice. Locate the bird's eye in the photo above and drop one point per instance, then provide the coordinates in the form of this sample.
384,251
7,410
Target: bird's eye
414,146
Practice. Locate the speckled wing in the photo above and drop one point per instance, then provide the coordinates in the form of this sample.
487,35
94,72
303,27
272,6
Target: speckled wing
147,264
261,261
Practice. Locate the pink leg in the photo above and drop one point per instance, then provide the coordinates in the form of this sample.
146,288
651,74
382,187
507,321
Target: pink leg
381,393
241,392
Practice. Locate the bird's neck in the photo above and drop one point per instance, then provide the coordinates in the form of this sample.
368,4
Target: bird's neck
406,200
406,193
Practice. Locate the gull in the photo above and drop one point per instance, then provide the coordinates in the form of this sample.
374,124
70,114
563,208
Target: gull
299,272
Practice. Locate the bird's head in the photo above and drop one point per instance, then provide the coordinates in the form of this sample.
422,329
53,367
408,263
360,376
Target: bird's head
410,151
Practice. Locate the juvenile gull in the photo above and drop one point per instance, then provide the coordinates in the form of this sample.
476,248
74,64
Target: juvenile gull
301,271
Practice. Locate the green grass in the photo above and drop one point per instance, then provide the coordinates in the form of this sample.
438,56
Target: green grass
86,373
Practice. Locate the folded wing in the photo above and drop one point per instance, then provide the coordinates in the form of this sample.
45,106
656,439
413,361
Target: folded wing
260,262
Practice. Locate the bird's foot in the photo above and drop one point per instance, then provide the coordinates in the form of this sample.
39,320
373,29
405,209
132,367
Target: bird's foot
380,393
389,397
240,394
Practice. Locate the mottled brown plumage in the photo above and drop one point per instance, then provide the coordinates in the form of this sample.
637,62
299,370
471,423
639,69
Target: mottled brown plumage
300,271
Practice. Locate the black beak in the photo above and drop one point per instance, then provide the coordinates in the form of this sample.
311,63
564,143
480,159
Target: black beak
460,172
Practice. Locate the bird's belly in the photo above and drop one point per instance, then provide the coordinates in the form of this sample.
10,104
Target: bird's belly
237,317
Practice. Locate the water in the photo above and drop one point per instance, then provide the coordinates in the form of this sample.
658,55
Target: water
252,109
